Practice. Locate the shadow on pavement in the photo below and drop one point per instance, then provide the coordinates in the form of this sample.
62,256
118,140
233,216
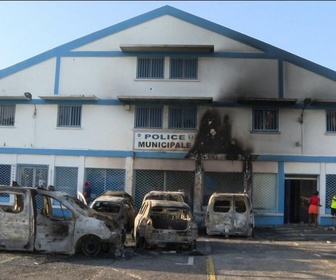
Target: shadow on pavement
295,232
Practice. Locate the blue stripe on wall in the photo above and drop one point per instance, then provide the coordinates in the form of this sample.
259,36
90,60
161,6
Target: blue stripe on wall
154,154
57,75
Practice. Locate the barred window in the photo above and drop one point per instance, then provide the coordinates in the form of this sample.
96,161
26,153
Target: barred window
182,117
183,68
69,116
148,116
265,120
7,115
150,68
331,121
66,179
330,189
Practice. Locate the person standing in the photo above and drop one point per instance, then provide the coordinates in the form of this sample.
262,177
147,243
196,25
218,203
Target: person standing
87,192
333,209
313,210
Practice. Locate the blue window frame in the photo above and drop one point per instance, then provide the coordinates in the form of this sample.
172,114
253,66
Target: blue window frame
148,116
182,117
69,116
183,68
150,68
265,120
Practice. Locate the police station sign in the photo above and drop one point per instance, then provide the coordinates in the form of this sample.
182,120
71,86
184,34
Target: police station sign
163,141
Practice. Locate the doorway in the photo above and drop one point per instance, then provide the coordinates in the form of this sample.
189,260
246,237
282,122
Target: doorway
297,193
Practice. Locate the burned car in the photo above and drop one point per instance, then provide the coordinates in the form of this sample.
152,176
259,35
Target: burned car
162,224
120,208
37,220
166,195
229,214
123,194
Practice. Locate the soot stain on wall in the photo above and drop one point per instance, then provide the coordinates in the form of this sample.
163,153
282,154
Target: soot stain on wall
215,137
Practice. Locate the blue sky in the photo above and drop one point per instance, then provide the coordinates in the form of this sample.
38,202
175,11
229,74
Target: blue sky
304,28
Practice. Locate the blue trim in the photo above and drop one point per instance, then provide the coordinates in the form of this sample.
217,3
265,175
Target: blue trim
168,10
281,187
57,75
160,155
166,103
64,152
325,221
296,158
48,102
268,220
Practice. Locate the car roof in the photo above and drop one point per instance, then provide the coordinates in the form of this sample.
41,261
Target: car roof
109,192
111,199
229,194
167,203
165,193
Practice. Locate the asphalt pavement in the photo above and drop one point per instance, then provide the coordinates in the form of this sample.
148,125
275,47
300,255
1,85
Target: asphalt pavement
296,232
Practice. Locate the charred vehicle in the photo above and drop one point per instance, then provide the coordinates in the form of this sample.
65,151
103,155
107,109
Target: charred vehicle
162,223
123,194
53,222
166,195
229,214
120,208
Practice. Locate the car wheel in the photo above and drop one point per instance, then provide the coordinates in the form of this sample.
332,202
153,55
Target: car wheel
91,246
250,232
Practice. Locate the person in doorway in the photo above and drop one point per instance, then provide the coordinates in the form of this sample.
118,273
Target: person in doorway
87,192
313,210
333,209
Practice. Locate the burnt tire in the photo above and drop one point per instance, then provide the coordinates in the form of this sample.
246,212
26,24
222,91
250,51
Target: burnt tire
91,246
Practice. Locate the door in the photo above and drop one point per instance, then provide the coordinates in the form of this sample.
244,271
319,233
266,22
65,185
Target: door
54,226
297,193
16,228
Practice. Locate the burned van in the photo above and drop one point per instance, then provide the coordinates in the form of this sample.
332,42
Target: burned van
53,222
229,214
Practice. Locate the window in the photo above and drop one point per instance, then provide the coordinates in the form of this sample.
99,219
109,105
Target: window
7,115
330,189
183,68
66,179
222,206
182,117
11,202
148,116
265,120
69,115
331,121
150,68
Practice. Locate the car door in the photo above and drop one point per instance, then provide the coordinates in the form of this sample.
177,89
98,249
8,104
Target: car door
54,225
16,216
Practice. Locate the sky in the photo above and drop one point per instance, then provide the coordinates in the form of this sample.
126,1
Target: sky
304,28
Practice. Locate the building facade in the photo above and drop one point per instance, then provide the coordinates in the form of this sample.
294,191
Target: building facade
169,101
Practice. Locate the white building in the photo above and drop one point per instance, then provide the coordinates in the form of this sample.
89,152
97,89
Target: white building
131,107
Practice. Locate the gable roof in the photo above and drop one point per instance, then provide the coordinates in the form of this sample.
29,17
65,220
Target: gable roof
268,49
